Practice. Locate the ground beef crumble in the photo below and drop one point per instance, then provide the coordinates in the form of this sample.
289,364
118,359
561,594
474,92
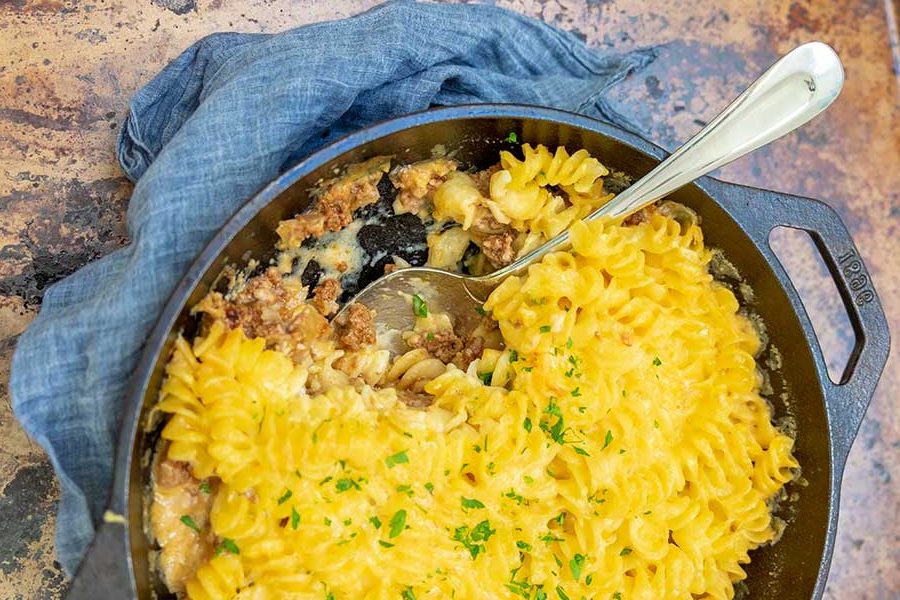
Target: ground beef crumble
355,327
326,295
498,249
417,182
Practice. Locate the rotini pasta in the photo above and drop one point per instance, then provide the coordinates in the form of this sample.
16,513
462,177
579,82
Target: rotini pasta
603,436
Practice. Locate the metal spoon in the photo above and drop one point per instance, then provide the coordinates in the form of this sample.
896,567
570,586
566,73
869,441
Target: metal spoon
795,89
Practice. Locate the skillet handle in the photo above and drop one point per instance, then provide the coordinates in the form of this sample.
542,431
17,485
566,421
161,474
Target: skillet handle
104,571
759,212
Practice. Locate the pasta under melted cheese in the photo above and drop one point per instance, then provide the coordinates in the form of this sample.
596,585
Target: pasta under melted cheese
615,447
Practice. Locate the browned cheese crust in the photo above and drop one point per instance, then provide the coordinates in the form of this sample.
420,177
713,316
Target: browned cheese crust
334,202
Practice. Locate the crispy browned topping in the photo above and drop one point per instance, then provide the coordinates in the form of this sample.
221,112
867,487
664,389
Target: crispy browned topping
334,202
356,327
417,182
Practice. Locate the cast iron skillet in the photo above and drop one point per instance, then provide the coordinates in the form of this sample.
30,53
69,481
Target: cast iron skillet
735,218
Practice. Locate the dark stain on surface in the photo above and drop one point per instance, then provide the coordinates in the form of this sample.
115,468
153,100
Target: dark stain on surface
884,476
799,18
17,115
24,508
75,224
179,7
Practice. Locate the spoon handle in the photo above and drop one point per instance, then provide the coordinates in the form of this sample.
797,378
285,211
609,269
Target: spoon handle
795,89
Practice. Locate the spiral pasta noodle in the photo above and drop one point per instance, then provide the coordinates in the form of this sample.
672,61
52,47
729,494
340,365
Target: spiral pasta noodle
615,445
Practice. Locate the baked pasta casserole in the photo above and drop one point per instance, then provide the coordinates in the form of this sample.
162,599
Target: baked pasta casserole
601,434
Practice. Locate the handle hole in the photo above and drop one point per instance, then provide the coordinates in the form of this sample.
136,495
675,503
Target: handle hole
803,262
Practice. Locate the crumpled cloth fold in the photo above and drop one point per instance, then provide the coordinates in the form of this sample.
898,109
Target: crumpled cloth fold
216,125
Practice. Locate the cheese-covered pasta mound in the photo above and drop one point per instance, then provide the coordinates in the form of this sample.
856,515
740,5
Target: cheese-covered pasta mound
612,444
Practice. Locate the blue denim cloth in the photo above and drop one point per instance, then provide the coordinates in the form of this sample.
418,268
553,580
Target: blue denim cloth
217,124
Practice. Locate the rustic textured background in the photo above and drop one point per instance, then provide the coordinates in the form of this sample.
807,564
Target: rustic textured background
68,69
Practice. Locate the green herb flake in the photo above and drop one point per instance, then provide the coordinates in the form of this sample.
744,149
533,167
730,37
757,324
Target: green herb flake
468,503
420,307
589,580
430,488
656,362
576,392
617,596
512,138
569,343
385,544
397,523
576,565
285,496
561,593
408,594
512,495
560,519
607,440
526,424
473,539
625,551
513,355
429,336
228,546
528,369
655,424
528,479
204,487
525,546
406,489
580,450
399,458
549,538
486,377
187,520
621,450
480,310
295,518
545,329
327,521
376,522
345,484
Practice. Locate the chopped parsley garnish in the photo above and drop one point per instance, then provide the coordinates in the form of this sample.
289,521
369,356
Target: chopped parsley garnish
580,450
398,523
527,369
385,544
376,522
545,329
589,580
656,362
408,594
486,377
528,479
569,343
204,487
526,424
625,551
523,546
576,565
420,308
348,522
285,496
560,519
471,503
187,520
295,518
617,596
512,495
429,336
327,521
406,489
473,539
512,138
561,593
396,459
480,310
549,538
655,424
430,487
607,440
513,355
345,484
621,450
329,596
228,546
553,408
576,392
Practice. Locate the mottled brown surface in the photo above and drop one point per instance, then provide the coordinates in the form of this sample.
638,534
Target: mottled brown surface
68,68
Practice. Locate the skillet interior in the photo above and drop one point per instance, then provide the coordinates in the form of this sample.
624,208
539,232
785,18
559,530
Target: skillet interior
787,570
